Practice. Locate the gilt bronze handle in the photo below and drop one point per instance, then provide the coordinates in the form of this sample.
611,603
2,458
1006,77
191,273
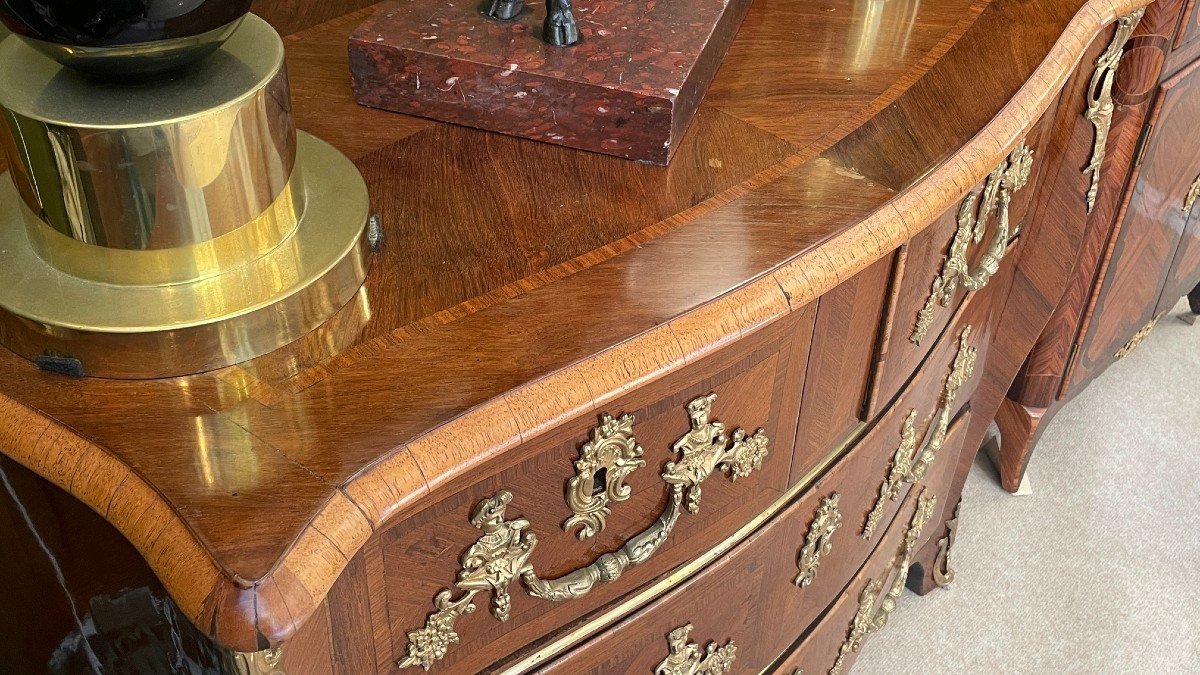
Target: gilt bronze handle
819,541
908,465
686,657
502,553
869,618
704,450
973,217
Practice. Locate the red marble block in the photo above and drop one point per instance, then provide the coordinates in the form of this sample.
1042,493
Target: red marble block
628,88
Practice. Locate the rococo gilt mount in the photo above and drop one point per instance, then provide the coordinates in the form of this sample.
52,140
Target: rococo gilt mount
162,216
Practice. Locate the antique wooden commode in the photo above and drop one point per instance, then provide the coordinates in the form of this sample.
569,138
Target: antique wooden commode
585,414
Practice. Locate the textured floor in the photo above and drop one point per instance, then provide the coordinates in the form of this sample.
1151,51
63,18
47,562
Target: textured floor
1098,571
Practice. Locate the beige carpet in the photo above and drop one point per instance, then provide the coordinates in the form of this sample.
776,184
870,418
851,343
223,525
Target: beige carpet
1098,571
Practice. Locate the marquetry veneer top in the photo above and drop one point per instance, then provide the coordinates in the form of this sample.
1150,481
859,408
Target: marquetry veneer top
523,284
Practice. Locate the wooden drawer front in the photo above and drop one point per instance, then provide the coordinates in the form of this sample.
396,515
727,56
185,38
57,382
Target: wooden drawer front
462,575
1152,229
833,644
839,366
761,596
960,253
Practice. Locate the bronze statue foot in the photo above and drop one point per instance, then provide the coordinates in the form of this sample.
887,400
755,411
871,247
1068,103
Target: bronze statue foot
504,10
560,28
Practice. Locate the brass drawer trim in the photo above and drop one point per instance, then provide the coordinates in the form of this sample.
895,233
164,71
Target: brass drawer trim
1005,180
908,465
502,553
819,541
686,658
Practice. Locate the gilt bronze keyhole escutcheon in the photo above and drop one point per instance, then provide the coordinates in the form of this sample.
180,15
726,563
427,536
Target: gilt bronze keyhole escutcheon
605,461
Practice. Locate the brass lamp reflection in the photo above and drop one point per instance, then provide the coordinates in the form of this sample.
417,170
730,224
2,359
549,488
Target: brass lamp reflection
163,216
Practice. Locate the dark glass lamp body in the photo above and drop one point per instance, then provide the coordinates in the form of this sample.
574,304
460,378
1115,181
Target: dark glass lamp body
124,37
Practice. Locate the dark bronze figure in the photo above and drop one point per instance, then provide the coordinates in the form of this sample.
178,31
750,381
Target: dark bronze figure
504,10
559,29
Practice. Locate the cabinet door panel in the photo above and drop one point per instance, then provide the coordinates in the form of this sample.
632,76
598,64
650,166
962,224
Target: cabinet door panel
1152,226
1185,270
1179,116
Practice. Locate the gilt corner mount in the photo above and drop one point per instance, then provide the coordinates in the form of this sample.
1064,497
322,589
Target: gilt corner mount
1100,101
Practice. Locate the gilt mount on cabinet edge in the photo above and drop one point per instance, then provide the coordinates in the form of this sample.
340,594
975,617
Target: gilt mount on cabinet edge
628,88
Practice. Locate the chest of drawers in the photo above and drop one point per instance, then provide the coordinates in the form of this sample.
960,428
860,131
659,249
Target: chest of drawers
592,416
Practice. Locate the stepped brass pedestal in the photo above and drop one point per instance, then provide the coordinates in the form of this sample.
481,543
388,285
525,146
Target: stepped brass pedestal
167,227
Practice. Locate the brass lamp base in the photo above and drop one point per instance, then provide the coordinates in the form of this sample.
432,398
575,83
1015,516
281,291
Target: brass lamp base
164,228
147,330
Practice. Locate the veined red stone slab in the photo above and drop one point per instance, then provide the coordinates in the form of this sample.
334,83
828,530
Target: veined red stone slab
628,88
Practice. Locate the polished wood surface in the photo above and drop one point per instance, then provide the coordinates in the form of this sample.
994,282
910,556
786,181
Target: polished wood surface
1185,268
1062,197
837,383
504,305
1175,144
920,263
1127,251
1189,28
1153,225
